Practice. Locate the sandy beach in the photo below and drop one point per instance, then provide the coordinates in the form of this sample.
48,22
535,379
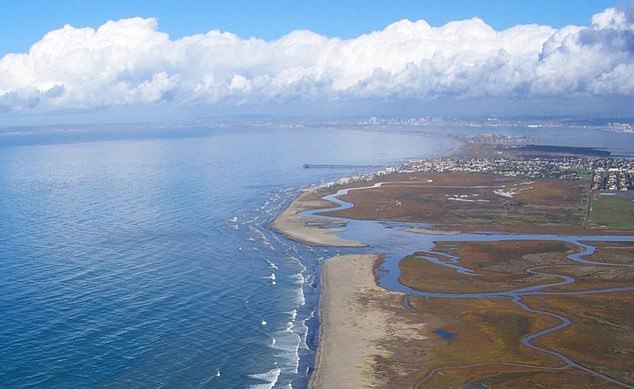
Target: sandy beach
358,332
298,227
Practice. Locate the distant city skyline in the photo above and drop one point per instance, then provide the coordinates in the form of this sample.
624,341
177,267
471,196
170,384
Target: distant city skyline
117,59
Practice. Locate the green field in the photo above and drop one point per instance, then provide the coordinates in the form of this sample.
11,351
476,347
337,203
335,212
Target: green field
612,211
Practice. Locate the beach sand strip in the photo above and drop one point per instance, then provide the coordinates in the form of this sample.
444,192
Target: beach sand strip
292,224
360,326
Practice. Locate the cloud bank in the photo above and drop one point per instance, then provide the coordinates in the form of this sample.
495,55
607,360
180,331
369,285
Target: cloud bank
128,62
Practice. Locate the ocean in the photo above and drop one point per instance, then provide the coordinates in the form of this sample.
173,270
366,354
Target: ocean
145,260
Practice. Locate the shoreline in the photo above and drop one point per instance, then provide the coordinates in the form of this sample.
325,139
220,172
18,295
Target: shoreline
292,224
346,355
357,330
336,368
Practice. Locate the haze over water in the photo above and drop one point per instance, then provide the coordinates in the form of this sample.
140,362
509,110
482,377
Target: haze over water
147,262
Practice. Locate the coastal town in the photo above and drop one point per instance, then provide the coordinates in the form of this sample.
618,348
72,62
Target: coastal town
606,173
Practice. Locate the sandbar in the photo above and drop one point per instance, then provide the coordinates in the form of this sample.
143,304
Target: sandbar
429,231
292,224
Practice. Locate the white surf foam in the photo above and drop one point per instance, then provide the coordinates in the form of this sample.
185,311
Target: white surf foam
300,300
298,278
270,377
302,331
298,262
287,343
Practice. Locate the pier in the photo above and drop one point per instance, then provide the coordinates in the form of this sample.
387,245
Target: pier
337,166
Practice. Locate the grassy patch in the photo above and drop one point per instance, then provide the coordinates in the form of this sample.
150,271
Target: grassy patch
613,212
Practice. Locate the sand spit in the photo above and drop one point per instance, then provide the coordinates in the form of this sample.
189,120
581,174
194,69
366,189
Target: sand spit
298,227
429,231
358,326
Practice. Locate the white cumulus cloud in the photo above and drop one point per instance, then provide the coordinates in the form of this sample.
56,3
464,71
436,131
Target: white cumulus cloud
131,61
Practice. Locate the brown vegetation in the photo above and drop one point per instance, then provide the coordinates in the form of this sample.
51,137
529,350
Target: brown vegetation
469,202
600,336
497,266
613,252
487,347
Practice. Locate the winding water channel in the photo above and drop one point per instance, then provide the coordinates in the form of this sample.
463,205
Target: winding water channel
396,241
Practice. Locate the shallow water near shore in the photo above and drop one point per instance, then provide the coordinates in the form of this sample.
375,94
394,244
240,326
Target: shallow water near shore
148,262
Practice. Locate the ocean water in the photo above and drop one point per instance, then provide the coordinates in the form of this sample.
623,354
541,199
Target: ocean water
146,261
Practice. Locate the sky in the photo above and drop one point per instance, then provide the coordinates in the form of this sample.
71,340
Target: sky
27,21
74,58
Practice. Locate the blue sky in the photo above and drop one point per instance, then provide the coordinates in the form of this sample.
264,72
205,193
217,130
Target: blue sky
23,22
147,58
